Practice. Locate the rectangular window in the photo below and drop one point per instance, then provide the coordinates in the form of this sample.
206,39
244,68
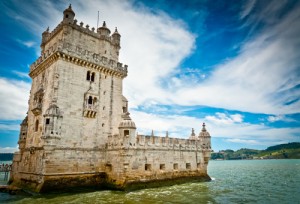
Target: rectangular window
126,132
198,165
188,165
47,121
147,167
162,166
175,166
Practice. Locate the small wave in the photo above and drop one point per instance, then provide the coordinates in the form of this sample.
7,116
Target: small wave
213,179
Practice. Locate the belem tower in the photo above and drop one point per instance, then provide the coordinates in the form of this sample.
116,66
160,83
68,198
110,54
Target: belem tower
78,132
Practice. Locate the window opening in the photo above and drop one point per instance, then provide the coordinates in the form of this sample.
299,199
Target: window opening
126,132
147,167
162,166
90,100
36,128
93,77
188,165
47,121
175,166
88,75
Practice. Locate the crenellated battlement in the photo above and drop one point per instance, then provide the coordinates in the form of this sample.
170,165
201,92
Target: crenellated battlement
158,142
80,27
79,55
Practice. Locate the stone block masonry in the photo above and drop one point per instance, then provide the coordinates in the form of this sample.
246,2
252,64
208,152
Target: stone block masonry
78,131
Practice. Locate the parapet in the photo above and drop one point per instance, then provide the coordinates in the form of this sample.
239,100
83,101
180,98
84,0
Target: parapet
157,142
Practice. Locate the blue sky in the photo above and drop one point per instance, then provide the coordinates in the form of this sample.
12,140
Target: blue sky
232,64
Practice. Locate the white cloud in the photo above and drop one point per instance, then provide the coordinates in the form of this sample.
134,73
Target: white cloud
28,44
251,142
9,127
275,118
220,125
8,149
222,118
21,74
14,96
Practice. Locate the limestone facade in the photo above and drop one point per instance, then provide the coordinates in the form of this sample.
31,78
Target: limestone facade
78,131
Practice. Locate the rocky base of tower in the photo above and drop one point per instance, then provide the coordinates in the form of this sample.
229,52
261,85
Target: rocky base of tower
101,181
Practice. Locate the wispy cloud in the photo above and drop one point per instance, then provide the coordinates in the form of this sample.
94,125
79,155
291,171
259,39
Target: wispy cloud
261,79
247,8
28,44
21,74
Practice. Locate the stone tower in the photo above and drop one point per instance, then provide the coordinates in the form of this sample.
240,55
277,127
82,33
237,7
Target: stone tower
78,131
75,100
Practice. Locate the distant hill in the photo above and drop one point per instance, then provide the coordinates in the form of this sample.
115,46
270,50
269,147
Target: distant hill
6,156
282,151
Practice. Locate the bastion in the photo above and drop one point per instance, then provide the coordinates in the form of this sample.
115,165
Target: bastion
78,131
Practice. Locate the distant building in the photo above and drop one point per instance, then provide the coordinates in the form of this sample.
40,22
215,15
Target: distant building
78,131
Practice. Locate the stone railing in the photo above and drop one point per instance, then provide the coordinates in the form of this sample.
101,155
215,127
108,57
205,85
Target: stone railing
81,54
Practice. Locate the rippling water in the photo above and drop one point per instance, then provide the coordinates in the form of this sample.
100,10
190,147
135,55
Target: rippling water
243,181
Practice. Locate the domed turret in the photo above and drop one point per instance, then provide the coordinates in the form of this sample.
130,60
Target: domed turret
203,132
69,14
127,123
127,131
204,137
103,31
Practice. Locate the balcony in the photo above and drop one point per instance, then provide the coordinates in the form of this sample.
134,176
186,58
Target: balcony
37,109
90,111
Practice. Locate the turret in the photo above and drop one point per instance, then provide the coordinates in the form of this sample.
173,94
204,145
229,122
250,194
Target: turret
69,15
127,130
23,133
116,38
52,122
204,137
45,36
103,31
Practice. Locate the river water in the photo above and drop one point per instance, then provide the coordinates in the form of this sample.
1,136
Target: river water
240,181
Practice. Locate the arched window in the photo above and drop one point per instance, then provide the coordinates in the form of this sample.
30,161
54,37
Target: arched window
93,77
90,100
36,127
88,75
